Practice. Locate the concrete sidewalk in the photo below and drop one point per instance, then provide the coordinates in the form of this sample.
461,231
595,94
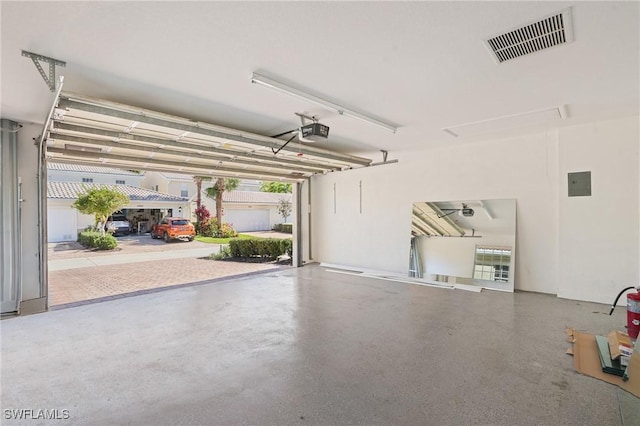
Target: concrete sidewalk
118,259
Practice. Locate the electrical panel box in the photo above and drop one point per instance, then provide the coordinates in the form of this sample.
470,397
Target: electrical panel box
580,184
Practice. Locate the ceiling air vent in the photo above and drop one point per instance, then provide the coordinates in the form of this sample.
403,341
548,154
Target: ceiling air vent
548,32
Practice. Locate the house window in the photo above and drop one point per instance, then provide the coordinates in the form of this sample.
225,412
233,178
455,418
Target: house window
119,182
156,188
492,263
87,180
184,191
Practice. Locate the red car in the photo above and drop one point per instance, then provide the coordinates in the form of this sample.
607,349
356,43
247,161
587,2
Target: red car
174,228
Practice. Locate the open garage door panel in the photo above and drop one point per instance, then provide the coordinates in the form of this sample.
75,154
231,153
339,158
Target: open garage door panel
92,131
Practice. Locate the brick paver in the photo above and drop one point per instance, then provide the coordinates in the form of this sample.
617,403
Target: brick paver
74,285
81,284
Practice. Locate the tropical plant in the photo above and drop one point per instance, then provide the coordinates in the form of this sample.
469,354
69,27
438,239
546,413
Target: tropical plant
210,228
278,187
216,191
284,208
101,203
202,217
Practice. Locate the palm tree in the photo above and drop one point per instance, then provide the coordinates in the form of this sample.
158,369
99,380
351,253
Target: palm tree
202,214
198,180
216,191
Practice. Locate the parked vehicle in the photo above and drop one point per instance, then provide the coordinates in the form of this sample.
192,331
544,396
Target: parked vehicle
174,228
118,225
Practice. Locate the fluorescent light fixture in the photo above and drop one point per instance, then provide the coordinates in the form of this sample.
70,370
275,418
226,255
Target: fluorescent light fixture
297,93
538,117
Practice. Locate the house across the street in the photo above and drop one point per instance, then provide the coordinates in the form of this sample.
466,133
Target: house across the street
246,207
153,195
66,182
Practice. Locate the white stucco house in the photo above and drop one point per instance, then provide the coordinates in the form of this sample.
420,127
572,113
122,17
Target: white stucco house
66,181
246,208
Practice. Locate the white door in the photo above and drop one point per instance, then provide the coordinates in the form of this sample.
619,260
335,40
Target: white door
247,220
61,224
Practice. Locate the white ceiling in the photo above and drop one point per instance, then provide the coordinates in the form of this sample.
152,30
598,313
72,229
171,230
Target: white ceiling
421,65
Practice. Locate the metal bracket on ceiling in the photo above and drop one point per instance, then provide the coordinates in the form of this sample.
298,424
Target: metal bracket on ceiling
304,117
51,78
385,160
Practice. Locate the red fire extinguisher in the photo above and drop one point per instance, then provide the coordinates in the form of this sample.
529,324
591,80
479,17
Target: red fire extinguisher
633,311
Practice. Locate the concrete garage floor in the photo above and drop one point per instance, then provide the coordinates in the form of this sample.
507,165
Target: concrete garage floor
311,347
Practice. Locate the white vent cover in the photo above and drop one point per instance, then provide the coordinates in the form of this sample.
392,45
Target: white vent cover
543,34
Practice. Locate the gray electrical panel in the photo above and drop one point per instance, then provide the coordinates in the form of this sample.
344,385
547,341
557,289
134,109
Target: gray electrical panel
580,184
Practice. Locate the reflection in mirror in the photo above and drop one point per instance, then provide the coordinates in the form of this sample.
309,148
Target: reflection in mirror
466,242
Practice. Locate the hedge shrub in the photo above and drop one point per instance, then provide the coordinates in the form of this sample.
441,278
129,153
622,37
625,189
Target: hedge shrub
93,239
283,227
269,248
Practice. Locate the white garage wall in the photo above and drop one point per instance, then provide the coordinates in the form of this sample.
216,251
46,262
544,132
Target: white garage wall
599,237
526,168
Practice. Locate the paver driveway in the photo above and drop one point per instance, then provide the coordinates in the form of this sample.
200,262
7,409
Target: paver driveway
78,283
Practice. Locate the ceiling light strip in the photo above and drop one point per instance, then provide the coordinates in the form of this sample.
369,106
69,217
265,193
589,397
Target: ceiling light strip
508,122
198,128
305,96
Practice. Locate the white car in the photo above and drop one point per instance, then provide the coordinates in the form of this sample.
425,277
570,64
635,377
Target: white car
118,225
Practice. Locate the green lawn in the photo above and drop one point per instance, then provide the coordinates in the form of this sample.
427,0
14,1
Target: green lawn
212,240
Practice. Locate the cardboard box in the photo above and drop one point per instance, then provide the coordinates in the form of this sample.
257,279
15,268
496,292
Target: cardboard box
619,344
587,361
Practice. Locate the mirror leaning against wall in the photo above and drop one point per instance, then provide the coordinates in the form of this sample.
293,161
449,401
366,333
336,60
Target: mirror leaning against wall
464,242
